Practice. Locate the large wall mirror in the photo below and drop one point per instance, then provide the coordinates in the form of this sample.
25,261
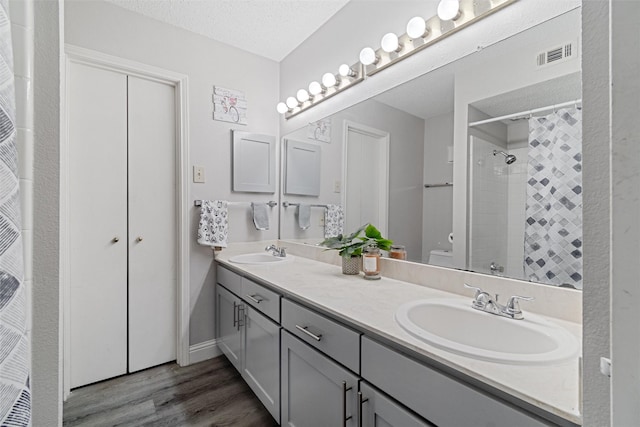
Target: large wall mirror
488,146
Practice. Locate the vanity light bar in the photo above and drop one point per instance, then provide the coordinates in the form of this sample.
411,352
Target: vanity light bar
470,11
400,47
342,83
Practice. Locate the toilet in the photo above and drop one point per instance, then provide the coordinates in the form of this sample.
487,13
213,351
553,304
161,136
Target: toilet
441,258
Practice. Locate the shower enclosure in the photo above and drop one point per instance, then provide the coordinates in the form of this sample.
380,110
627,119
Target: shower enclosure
497,195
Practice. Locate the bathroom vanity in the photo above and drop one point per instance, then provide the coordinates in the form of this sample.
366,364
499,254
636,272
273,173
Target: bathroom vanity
321,348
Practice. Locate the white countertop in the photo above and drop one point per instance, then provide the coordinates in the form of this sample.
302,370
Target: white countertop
371,305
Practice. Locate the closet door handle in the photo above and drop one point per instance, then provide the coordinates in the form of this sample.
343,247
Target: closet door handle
115,239
345,389
139,239
360,402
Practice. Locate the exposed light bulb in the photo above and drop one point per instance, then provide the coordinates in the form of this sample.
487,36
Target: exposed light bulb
368,56
449,10
282,107
346,71
329,80
416,27
292,102
315,88
302,95
390,43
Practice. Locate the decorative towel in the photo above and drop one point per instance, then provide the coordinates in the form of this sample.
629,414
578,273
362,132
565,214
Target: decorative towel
333,221
304,216
260,216
15,394
214,223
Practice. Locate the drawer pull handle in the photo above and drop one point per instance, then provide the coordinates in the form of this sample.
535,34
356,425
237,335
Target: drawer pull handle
235,315
255,298
306,331
360,402
241,317
345,389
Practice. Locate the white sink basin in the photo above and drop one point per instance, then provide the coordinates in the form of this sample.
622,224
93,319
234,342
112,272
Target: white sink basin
259,258
452,324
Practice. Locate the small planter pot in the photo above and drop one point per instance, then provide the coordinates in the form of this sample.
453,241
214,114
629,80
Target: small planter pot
351,265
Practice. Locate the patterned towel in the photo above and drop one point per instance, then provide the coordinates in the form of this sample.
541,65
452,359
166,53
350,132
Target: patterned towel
15,395
214,223
333,221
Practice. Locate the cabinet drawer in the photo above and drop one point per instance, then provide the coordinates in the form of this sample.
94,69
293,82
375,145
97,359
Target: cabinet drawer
261,298
229,280
437,397
332,338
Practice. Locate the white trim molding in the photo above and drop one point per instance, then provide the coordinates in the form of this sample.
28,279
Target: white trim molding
93,58
204,351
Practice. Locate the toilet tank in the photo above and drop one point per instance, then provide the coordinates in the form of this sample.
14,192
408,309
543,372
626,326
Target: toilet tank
441,258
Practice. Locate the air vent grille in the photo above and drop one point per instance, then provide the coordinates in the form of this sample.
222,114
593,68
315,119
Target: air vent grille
556,54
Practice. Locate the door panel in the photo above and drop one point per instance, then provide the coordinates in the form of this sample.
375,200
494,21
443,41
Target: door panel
262,359
381,411
152,218
312,390
229,332
97,217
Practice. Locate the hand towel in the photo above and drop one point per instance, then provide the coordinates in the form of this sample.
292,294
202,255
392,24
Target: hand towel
304,216
260,215
333,221
213,228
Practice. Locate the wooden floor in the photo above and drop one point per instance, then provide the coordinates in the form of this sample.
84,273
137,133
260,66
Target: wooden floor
210,393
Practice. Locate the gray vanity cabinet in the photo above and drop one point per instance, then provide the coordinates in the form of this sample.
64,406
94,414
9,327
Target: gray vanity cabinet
377,410
316,391
261,367
249,339
229,309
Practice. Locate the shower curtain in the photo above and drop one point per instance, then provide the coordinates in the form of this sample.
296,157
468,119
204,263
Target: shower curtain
15,398
553,229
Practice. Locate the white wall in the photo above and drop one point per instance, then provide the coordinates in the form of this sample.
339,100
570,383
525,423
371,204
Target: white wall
46,364
405,174
437,202
109,29
625,144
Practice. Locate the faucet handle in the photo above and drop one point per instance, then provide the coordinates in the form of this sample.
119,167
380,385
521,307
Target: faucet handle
283,252
481,297
513,307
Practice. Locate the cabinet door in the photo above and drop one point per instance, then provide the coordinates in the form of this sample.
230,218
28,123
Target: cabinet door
316,391
229,325
97,223
377,410
262,359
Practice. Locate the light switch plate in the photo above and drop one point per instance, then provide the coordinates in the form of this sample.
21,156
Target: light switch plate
337,186
198,174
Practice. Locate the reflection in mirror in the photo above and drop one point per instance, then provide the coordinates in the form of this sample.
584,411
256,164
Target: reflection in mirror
390,161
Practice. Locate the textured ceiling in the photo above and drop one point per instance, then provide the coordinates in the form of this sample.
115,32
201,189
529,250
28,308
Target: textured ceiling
270,28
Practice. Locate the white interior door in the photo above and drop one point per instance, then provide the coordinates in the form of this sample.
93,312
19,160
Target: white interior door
97,223
366,178
152,223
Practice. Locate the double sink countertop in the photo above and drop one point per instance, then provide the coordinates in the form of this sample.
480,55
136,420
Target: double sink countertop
371,307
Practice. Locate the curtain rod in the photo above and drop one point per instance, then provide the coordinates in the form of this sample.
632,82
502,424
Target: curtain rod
524,114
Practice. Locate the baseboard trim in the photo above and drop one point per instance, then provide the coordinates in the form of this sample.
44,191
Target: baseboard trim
203,351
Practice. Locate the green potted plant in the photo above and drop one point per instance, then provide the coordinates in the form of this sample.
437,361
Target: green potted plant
350,247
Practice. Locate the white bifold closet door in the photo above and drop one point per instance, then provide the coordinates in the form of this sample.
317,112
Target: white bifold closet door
122,233
152,219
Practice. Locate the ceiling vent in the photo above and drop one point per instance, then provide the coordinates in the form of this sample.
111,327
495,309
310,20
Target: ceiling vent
557,54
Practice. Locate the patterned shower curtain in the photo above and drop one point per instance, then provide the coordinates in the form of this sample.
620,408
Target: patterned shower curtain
553,229
15,398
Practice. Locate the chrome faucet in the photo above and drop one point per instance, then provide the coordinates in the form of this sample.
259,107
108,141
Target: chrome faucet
494,267
276,251
483,301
